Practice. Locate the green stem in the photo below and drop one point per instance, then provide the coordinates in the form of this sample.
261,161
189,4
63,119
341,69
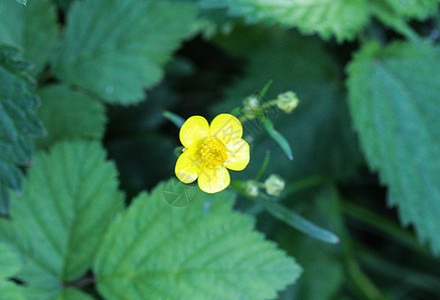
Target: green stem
263,166
269,103
305,183
383,225
360,280
412,277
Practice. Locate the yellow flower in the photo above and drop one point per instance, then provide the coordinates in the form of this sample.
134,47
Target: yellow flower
210,150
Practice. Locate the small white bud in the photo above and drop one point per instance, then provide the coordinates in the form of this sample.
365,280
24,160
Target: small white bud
274,185
287,101
251,189
251,107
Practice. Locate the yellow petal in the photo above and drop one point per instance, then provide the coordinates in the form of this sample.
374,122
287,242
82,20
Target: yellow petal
194,130
226,128
238,155
187,166
213,180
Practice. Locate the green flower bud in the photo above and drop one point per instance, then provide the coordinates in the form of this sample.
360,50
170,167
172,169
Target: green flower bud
287,101
274,185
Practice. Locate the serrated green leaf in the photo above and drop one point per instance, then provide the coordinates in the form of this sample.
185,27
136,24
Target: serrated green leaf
414,8
318,130
19,122
68,115
341,18
9,266
32,28
115,48
70,197
394,95
56,294
9,262
202,251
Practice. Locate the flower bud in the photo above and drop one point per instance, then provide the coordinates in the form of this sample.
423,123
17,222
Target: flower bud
251,188
287,101
274,185
251,107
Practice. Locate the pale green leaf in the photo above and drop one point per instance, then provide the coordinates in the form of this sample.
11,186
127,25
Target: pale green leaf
56,294
11,291
19,122
69,114
341,18
9,262
9,266
70,197
202,251
31,28
414,8
116,49
394,94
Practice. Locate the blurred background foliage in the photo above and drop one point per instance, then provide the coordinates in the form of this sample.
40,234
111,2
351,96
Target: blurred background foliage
230,51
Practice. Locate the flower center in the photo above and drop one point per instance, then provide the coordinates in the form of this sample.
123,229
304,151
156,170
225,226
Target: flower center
213,152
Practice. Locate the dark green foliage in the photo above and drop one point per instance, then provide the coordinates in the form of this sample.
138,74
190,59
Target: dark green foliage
19,123
345,180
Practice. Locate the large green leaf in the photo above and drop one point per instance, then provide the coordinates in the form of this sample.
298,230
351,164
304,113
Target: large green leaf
31,28
202,251
68,293
117,48
394,97
319,130
19,122
70,197
340,18
414,8
9,266
68,114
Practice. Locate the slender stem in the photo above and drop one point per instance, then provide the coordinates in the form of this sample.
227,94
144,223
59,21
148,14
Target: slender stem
269,103
381,224
263,166
362,283
305,183
412,276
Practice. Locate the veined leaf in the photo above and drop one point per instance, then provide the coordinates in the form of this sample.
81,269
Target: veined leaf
414,8
117,48
340,18
394,94
70,197
9,266
56,294
31,28
19,122
9,262
68,114
202,251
